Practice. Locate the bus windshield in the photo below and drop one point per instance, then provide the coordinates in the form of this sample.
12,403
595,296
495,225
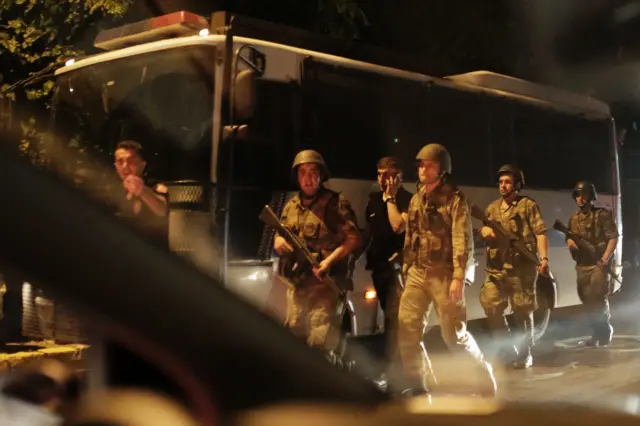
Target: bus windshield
162,99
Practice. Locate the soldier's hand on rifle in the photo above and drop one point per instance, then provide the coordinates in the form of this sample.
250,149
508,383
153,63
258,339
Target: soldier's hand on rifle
572,245
322,268
544,267
282,246
487,233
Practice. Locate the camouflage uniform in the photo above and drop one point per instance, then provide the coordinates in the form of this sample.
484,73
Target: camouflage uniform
325,224
596,227
511,278
438,247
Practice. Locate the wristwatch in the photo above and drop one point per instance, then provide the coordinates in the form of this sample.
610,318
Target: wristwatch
391,200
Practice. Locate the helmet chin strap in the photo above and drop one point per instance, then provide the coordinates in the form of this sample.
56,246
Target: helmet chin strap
510,195
586,206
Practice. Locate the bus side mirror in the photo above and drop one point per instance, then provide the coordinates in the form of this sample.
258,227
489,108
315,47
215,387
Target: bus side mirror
237,132
244,97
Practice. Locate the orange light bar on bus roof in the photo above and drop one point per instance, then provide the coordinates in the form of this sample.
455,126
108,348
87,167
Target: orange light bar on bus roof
177,24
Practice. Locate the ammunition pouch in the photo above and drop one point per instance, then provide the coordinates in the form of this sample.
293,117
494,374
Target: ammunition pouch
590,255
294,269
344,284
299,271
574,254
518,259
439,257
409,256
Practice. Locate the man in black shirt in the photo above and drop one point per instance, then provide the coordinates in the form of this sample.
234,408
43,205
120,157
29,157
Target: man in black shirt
144,205
386,218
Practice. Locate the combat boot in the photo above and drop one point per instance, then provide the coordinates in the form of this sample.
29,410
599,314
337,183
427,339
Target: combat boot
602,336
413,392
489,385
413,387
524,359
507,354
605,335
591,343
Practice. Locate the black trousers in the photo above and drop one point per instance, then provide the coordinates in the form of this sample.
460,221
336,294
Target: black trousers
387,283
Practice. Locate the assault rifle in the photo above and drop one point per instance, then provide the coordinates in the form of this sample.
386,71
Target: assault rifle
583,245
299,247
504,234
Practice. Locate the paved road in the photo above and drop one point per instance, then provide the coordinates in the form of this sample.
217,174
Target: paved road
565,371
562,370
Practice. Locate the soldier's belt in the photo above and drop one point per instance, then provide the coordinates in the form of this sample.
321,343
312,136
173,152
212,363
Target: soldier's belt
301,283
433,265
587,267
511,271
439,256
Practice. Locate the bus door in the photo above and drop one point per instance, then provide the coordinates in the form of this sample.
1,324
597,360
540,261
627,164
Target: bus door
253,170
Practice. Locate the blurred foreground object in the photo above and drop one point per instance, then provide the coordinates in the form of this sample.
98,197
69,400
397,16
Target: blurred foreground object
51,385
14,412
129,407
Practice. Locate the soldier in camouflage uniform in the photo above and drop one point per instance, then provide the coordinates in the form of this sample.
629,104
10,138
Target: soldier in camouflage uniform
511,278
326,222
438,247
596,226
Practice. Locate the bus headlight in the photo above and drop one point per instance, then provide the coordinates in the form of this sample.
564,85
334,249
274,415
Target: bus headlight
370,295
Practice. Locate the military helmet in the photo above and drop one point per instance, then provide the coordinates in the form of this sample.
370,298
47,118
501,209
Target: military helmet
585,188
309,156
436,152
518,176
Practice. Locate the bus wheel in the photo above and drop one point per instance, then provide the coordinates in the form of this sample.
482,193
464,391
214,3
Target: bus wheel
546,297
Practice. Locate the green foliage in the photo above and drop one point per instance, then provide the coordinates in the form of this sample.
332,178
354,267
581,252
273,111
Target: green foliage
38,33
342,18
33,143
37,36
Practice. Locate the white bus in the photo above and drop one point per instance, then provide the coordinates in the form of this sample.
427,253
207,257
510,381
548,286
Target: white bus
170,93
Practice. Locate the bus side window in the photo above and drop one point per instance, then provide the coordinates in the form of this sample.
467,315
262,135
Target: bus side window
461,122
354,118
555,150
